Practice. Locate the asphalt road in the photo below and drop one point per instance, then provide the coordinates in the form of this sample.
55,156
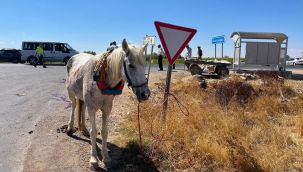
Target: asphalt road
24,97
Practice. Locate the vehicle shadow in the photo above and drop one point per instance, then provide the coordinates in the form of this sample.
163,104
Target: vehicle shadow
297,77
48,64
123,159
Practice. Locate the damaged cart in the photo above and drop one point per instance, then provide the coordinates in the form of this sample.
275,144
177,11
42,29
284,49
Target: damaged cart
207,69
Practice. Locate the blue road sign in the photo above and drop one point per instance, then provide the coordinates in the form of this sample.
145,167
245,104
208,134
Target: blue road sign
218,39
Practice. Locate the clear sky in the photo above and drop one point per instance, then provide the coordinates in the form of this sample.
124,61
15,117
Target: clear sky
92,24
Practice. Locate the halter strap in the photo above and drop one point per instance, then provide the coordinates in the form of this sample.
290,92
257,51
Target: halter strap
129,81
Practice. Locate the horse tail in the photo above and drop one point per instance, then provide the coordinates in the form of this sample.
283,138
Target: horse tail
79,111
69,65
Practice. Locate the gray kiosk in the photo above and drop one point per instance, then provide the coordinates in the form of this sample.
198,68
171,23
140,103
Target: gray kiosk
262,50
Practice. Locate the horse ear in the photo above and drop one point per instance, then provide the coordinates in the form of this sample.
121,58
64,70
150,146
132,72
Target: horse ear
144,47
125,46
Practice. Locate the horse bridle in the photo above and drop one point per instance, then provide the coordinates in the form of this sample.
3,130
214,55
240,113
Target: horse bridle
129,81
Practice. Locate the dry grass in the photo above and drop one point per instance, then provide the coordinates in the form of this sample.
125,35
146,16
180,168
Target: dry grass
232,125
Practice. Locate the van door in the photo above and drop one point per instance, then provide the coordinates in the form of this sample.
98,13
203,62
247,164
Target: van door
61,51
48,51
29,49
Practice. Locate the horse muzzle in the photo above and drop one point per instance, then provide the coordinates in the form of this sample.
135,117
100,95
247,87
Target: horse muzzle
142,93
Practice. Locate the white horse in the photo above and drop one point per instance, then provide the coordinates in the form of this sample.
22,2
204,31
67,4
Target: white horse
126,63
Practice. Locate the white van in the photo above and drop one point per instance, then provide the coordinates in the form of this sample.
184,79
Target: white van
53,51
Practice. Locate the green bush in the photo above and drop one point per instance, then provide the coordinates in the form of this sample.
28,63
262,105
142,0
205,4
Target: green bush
90,52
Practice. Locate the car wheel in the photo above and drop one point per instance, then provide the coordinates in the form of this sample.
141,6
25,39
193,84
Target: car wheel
66,60
32,60
195,69
15,60
222,72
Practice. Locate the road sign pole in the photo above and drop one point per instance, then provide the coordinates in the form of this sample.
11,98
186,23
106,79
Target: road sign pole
222,50
172,38
167,91
215,51
150,61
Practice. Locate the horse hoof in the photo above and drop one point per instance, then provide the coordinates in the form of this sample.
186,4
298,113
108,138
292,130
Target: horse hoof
69,132
93,163
85,133
94,166
107,164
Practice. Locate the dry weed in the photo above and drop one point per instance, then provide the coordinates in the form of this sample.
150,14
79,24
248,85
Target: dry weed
251,133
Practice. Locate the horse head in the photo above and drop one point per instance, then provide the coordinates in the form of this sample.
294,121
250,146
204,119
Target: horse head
134,70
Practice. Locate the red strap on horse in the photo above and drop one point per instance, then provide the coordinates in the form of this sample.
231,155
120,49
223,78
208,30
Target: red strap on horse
105,89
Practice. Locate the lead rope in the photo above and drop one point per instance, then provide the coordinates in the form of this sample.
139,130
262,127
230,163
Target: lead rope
139,126
145,158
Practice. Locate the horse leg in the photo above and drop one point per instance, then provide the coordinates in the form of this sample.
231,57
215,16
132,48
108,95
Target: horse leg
104,134
81,118
70,127
93,134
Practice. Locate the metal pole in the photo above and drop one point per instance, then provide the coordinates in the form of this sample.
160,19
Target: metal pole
150,59
167,91
215,51
222,50
279,56
286,47
234,56
240,46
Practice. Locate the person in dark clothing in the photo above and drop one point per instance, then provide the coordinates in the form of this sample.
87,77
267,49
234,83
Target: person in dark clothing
160,57
200,53
113,45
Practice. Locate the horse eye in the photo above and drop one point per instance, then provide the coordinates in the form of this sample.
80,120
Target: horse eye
131,66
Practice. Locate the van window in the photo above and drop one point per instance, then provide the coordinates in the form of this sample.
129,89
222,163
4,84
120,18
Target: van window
59,47
48,46
68,47
30,46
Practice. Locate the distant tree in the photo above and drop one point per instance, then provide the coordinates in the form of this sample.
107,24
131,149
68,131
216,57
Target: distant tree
287,57
90,52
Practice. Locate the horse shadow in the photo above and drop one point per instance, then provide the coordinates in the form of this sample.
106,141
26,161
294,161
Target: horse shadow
123,158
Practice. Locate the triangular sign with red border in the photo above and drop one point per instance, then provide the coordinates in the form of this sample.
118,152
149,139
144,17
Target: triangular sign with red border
174,39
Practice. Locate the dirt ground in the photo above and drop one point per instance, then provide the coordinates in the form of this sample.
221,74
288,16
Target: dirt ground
52,151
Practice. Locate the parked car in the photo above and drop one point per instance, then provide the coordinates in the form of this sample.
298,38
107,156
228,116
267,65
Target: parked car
294,61
53,51
10,55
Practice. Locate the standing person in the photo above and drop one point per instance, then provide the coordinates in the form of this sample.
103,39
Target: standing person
160,57
40,56
200,53
188,53
187,56
112,46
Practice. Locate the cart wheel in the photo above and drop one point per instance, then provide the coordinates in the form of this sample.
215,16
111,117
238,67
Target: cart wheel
195,69
223,72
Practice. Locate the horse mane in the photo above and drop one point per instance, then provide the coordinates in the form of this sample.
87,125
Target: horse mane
114,63
114,66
